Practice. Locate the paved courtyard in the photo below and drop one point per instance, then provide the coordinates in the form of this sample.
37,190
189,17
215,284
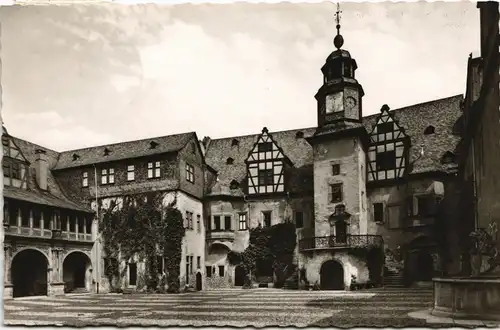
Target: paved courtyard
232,307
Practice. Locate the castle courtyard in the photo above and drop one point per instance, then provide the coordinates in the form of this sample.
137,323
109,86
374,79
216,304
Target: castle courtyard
229,307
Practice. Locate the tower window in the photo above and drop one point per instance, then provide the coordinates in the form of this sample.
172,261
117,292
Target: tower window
336,193
347,70
386,160
378,212
429,130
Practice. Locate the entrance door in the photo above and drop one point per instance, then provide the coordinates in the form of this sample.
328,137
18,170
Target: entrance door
198,282
425,266
132,273
29,273
332,276
239,276
341,232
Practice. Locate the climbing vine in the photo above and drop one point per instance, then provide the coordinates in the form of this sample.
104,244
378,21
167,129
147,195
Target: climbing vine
276,243
140,225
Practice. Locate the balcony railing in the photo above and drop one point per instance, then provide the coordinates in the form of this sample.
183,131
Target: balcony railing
220,235
340,242
47,233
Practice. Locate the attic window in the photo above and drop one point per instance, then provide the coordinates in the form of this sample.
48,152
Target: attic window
229,161
235,142
234,185
448,157
429,130
299,135
153,145
106,152
76,157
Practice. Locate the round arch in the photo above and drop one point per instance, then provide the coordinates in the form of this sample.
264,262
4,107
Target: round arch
77,272
332,275
419,263
29,273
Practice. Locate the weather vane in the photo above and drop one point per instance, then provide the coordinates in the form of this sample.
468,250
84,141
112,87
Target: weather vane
338,41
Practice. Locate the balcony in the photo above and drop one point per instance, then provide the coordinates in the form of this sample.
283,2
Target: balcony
339,243
46,234
221,235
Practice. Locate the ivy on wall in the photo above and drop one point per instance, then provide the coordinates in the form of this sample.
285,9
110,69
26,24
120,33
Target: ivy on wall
276,243
140,225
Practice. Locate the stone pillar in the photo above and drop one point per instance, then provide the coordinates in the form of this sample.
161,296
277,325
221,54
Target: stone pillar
56,273
31,221
42,223
19,220
7,276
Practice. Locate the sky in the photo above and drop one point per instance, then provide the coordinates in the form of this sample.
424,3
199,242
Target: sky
81,75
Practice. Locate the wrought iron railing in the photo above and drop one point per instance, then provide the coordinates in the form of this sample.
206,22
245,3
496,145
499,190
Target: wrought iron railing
348,241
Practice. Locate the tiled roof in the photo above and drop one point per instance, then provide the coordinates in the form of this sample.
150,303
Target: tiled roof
123,150
53,196
441,114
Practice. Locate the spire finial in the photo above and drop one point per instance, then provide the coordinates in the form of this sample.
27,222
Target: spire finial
338,41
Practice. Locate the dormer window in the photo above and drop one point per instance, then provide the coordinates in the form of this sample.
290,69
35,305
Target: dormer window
299,135
235,142
448,157
229,161
76,157
429,130
153,145
107,152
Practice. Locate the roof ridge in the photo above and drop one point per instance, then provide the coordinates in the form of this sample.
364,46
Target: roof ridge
130,141
258,134
33,144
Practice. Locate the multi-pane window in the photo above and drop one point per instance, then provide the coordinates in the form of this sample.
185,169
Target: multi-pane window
130,173
426,205
154,170
108,176
191,265
336,193
378,212
16,170
267,218
85,179
227,222
266,177
198,262
335,169
265,147
386,160
189,220
299,219
242,220
221,271
190,173
217,223
198,224
208,270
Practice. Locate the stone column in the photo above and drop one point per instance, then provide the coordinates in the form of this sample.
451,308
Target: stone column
7,277
19,220
56,276
31,221
42,223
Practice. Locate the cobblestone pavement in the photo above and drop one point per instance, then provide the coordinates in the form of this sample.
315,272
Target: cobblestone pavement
231,307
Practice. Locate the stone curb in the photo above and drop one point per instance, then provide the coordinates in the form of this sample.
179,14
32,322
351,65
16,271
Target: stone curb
429,318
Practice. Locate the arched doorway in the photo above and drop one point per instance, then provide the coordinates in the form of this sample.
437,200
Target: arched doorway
29,273
198,281
239,276
76,272
425,266
419,264
332,276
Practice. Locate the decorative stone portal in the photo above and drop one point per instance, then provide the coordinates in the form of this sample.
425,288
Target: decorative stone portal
332,276
77,274
29,273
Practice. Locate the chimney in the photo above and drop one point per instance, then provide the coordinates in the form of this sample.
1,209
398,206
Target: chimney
41,168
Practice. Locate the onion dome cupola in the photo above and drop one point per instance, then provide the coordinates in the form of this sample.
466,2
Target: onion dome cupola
340,96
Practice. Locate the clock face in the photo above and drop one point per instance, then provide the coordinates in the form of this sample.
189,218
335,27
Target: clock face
350,102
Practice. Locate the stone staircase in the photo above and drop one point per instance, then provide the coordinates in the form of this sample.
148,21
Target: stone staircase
79,290
393,278
292,283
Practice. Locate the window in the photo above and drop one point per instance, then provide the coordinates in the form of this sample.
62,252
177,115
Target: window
221,271
299,135
217,222
107,152
159,264
385,128
208,270
234,185
130,173
108,176
191,265
378,212
189,173
336,193
335,169
299,219
386,160
242,220
72,225
6,169
189,220
198,262
209,224
265,146
154,170
6,214
80,224
132,273
429,130
187,269
234,143
267,218
227,222
229,161
266,177
85,179
198,224
37,217
16,171
426,205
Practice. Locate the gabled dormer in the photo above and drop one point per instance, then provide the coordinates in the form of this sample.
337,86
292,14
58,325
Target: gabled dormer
388,150
266,164
15,165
